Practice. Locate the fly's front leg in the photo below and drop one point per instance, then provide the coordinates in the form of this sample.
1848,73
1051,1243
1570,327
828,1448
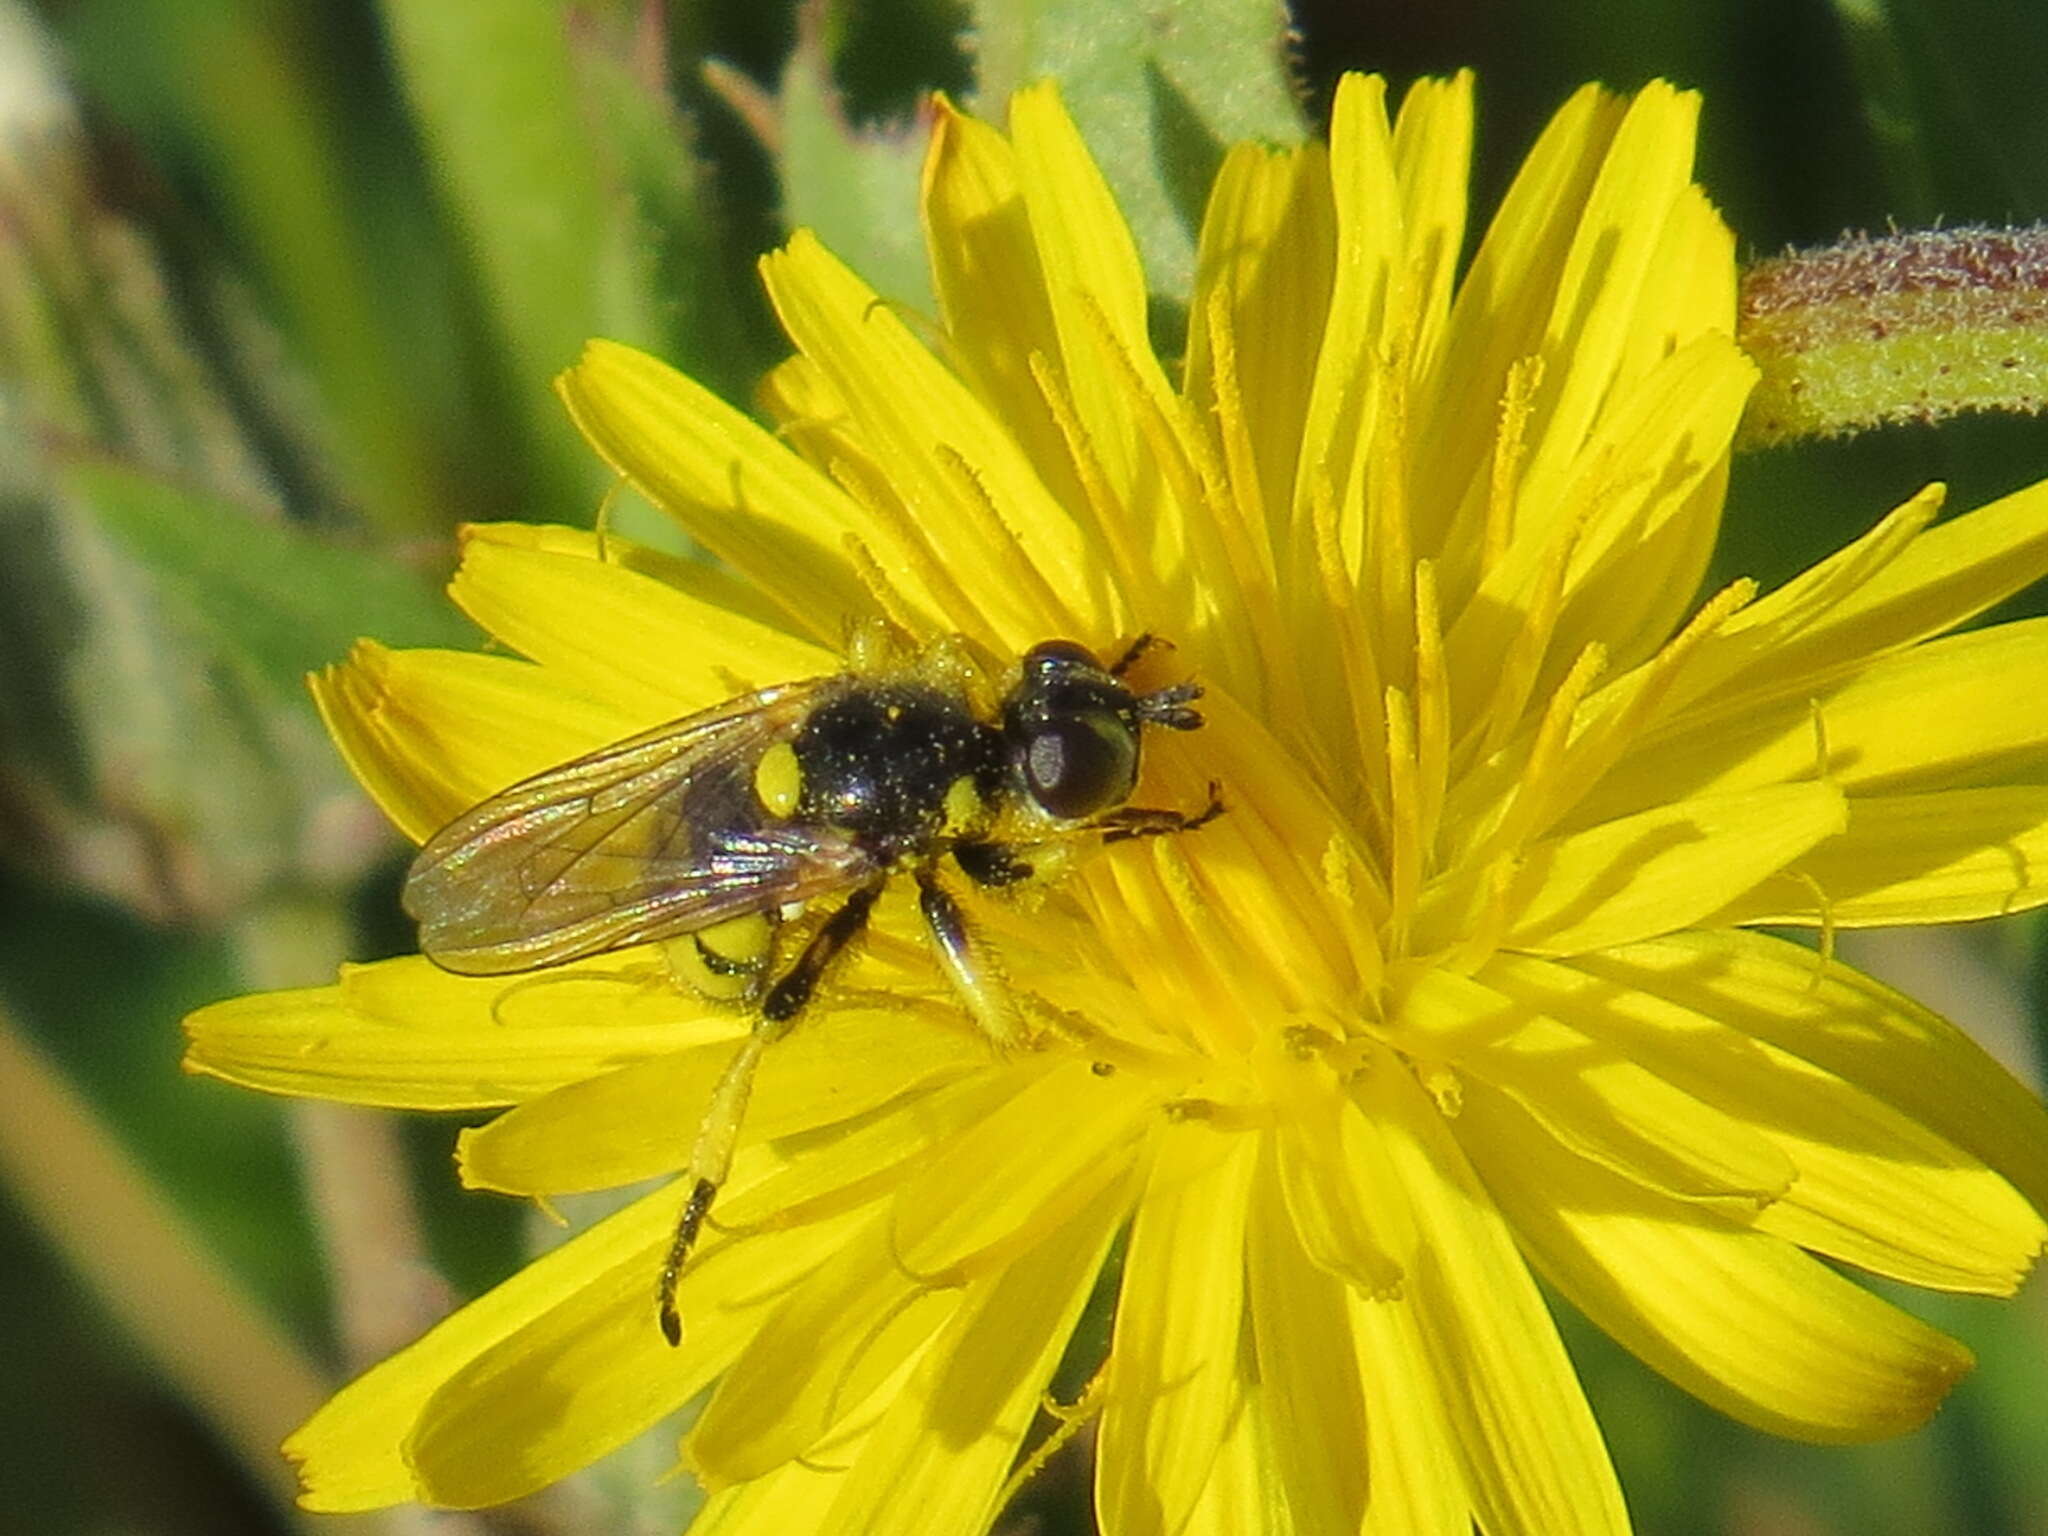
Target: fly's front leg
711,1157
1136,651
1138,821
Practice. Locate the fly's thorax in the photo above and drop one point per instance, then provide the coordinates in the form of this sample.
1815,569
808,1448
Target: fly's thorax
896,765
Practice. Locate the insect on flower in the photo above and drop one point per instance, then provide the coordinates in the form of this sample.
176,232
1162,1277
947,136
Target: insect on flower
712,832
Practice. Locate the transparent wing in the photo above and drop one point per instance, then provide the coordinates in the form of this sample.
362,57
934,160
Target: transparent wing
654,836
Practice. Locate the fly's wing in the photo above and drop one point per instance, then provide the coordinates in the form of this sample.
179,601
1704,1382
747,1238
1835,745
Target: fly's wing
658,835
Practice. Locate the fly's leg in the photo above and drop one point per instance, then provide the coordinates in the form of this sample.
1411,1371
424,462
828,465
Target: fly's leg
1136,821
711,1157
1139,648
994,864
965,958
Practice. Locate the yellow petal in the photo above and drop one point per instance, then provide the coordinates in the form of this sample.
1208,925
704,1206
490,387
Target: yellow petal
404,1034
639,1121
990,287
1742,1320
1267,254
1690,289
1500,313
701,579
609,630
746,497
1596,1100
826,1345
1655,872
1601,292
1951,713
821,1175
1174,1368
1046,1151
1432,149
1937,858
1247,1492
970,488
1651,466
1783,642
1415,1485
1656,470
1947,574
588,1369
1093,279
1300,1327
793,1500
1317,1157
1339,428
1532,1453
1954,1227
1843,1022
351,1454
1874,1187
430,733
947,1440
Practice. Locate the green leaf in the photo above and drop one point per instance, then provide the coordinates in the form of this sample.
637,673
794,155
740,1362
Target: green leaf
303,171
666,272
1898,131
269,596
145,762
856,187
513,146
1158,90
1949,91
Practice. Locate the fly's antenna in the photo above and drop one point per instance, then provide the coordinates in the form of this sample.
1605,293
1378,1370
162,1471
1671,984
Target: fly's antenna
1164,706
1169,707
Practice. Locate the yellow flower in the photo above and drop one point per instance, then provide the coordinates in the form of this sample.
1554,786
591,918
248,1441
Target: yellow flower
1465,981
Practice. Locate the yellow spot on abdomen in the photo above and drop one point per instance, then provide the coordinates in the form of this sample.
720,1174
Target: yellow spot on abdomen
779,780
726,961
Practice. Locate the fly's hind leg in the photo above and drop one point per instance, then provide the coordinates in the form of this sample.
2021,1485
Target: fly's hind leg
711,1157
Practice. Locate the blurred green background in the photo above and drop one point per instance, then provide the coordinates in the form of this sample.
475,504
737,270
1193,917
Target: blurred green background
281,287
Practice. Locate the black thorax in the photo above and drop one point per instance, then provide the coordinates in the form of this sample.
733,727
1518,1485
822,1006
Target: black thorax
878,762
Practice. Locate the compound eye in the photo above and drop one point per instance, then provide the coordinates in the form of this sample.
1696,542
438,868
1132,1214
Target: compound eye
1081,763
1059,655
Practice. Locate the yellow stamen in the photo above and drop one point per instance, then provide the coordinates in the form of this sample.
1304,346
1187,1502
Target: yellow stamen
1195,480
1404,859
1358,672
1536,784
1612,728
882,592
1389,538
1360,914
1240,514
1432,708
1136,576
1529,648
973,497
1510,452
877,497
1069,1420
